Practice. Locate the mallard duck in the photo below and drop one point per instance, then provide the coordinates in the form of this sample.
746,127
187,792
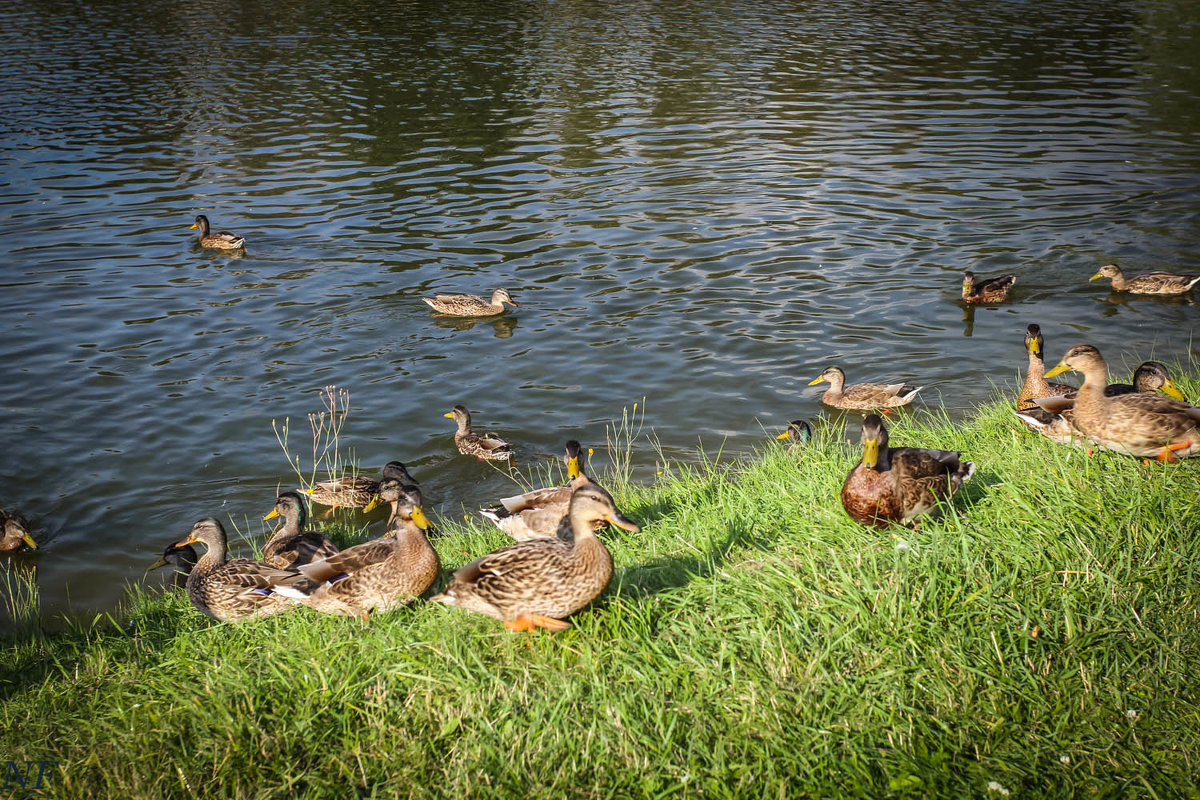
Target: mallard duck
378,575
14,532
1036,384
799,432
470,305
1148,282
899,484
181,558
862,396
221,240
1150,377
989,290
535,584
232,590
357,491
538,514
480,445
1143,425
292,545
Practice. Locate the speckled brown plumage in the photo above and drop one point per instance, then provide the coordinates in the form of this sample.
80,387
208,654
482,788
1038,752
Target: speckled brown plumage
1148,282
1036,384
543,579
1143,425
378,575
862,396
291,545
219,240
540,513
480,445
357,491
988,290
470,305
231,590
14,532
899,484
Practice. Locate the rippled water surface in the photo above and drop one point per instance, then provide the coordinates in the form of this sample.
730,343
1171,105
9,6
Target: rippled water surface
702,204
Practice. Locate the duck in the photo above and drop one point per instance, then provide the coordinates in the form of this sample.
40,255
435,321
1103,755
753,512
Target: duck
799,435
481,445
1137,424
221,240
1036,384
14,532
357,491
230,590
181,558
1147,282
470,305
899,484
862,396
539,513
535,584
292,545
374,576
1148,378
988,290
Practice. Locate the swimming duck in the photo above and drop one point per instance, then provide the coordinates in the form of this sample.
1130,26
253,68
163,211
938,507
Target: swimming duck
1143,425
989,290
231,590
535,584
480,445
538,514
292,545
181,558
378,575
221,240
1148,282
357,491
1036,384
899,484
470,305
14,532
862,396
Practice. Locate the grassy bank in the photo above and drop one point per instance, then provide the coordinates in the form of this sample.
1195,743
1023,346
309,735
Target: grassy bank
1042,640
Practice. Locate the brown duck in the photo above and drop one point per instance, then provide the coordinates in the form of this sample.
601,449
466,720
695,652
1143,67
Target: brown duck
1147,282
539,514
231,590
535,584
292,545
989,290
899,484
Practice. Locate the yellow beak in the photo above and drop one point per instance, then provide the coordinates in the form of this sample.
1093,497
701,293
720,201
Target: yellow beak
419,518
371,506
573,467
816,380
871,452
193,226
1097,275
1058,370
784,435
1171,390
1034,347
31,544
189,540
274,513
162,562
450,415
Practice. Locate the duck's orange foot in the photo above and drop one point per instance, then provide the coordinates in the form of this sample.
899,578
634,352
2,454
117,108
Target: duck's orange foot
1166,455
887,412
531,622
1088,450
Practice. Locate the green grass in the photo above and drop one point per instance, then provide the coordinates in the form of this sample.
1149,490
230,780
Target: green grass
755,642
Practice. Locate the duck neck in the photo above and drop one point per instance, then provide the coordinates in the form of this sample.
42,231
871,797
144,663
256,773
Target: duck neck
1118,282
464,424
1036,384
1091,393
292,524
836,382
214,557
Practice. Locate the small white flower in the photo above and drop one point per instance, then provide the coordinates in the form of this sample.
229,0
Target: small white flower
137,705
902,545
994,786
1131,713
1064,759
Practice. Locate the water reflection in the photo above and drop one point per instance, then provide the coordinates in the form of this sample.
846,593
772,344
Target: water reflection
502,325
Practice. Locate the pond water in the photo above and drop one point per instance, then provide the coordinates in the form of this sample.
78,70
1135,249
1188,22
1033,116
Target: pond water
698,206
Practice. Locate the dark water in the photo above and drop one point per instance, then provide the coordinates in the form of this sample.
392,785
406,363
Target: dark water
698,204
